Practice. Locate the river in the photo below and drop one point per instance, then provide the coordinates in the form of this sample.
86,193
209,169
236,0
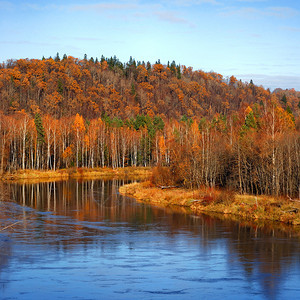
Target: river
82,240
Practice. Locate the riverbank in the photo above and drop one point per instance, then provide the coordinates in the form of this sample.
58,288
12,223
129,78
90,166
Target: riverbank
215,201
76,173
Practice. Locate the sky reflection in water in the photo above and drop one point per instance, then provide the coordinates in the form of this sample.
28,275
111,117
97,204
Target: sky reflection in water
82,240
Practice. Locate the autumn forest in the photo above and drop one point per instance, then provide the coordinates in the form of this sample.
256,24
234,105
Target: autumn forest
196,128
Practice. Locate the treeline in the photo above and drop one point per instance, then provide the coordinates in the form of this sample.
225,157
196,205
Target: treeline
48,143
252,151
197,128
93,88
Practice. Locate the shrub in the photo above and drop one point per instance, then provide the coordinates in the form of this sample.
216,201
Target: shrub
225,197
165,176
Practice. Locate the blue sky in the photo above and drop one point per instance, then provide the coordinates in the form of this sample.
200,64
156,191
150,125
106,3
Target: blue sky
251,39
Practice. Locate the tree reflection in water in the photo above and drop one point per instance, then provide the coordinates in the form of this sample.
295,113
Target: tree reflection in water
71,213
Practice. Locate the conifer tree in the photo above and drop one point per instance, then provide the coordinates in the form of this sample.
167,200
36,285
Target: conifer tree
178,72
57,58
284,99
39,128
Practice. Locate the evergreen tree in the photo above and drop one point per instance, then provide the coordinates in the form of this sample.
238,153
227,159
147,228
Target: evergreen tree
158,123
60,86
148,66
173,67
117,122
289,111
178,72
40,129
284,99
250,121
132,89
186,120
57,58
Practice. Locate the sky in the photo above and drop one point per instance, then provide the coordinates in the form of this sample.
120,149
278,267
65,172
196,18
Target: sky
250,39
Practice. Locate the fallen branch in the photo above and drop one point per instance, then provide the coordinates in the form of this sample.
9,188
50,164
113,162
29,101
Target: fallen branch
293,199
11,225
293,210
168,187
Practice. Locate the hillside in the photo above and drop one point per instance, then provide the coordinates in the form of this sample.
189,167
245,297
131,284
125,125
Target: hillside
92,88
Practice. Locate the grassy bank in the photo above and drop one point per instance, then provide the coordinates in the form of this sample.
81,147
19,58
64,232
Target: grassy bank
214,201
78,173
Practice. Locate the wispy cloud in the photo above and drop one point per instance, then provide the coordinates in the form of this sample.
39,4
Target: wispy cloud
192,2
98,7
6,5
164,16
125,9
241,12
33,6
292,29
251,12
170,17
281,12
103,6
27,43
132,8
273,81
252,1
87,39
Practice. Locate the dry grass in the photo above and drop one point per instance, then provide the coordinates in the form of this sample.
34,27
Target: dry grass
223,202
82,173
109,172
35,175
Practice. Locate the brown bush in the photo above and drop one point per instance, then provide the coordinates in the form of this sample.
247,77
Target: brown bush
165,176
225,197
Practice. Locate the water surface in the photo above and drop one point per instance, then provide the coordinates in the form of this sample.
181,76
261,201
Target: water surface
82,240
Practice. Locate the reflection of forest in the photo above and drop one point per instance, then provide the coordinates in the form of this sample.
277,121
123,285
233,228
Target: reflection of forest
91,207
264,251
93,201
5,242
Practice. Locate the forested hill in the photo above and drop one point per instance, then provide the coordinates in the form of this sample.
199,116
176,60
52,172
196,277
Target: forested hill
198,128
92,88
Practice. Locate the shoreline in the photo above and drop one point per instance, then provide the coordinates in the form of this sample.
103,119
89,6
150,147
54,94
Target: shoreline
246,207
75,173
209,201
